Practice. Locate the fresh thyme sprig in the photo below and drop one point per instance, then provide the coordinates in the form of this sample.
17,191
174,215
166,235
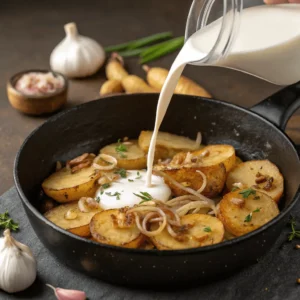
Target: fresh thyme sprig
8,223
294,233
144,196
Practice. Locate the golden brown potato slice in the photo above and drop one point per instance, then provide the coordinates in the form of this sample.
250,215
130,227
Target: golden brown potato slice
262,175
204,230
245,210
228,236
237,161
216,154
147,244
131,158
188,176
104,230
167,144
65,186
79,225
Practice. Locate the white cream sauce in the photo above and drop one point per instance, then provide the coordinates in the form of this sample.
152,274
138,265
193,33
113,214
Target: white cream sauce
122,192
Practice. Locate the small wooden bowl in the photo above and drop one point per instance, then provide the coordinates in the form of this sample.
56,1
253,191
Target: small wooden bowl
36,105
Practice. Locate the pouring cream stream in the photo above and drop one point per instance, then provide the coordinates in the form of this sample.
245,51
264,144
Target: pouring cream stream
268,40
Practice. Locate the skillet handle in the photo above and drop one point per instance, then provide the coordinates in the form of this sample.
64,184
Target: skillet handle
279,107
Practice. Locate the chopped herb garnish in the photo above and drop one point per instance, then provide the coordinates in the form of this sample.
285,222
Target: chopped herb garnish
116,194
138,175
246,193
121,172
256,198
249,217
98,199
130,180
294,233
8,223
145,196
107,162
120,148
105,185
207,229
235,188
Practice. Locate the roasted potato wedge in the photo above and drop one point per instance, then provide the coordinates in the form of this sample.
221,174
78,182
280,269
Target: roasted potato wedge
167,144
204,230
104,230
261,175
242,212
65,186
188,176
214,155
79,225
133,158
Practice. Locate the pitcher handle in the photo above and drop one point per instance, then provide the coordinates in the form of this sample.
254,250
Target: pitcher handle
279,107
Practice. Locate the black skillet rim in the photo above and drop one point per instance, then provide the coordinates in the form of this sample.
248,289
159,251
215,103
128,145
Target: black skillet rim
154,252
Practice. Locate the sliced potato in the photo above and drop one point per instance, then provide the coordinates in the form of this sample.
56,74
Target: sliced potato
228,236
237,161
216,154
188,176
133,158
104,230
79,225
65,186
250,173
46,204
147,244
241,214
167,144
205,230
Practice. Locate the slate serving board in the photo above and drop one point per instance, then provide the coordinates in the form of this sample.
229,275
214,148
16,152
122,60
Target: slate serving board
273,277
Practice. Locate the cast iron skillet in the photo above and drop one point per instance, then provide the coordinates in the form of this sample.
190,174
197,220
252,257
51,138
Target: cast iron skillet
88,127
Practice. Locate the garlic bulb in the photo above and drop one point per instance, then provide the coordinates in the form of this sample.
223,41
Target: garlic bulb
17,265
76,55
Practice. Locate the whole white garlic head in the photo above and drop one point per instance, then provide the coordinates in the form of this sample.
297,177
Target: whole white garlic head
18,266
76,55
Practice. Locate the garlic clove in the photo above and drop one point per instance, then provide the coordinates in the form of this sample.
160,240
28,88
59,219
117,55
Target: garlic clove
63,294
18,266
77,55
